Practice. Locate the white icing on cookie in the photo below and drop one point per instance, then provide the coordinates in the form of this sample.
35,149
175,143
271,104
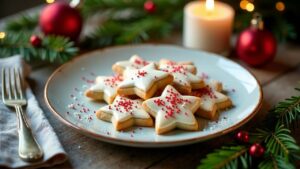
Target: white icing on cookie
107,85
123,109
135,62
182,75
215,85
209,97
142,78
173,108
171,62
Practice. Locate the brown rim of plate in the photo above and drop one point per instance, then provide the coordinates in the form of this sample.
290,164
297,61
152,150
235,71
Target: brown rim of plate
128,142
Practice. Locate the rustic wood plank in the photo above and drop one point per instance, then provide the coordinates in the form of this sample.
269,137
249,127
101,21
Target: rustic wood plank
277,90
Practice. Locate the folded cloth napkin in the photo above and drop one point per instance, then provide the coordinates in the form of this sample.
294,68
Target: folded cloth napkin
46,137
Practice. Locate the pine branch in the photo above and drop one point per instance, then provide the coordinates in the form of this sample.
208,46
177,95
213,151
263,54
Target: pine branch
279,142
92,6
288,110
227,157
116,32
162,6
275,162
24,23
53,48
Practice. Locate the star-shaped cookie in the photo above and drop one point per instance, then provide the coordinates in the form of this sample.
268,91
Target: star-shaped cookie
124,113
184,80
143,82
135,62
173,110
212,100
187,64
105,88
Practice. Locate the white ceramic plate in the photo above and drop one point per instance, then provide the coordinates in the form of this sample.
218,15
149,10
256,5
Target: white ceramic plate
68,83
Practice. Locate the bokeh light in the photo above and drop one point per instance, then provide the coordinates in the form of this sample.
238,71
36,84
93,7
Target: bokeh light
243,4
250,7
2,35
280,6
50,1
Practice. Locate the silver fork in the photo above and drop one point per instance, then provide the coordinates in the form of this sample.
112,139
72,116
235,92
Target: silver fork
13,96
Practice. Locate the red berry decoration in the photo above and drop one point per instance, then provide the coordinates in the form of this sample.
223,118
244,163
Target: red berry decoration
149,6
255,45
35,41
256,150
61,19
242,136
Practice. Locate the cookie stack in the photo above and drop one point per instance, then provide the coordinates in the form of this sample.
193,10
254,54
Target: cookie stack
169,92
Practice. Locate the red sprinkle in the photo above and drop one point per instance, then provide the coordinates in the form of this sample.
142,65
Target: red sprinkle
126,104
140,62
113,81
159,102
206,91
141,73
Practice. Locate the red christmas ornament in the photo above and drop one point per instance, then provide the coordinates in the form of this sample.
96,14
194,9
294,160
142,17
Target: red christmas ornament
256,150
35,41
255,45
61,19
242,136
149,6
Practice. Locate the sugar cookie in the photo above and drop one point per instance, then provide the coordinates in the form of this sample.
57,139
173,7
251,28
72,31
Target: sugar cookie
212,101
184,80
143,82
189,66
173,110
135,62
105,88
124,113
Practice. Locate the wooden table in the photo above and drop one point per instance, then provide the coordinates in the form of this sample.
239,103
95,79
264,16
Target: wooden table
278,80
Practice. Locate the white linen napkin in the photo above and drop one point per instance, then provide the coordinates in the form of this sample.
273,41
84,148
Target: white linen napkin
46,137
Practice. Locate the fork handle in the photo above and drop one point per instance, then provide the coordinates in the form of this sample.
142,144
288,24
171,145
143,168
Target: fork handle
29,149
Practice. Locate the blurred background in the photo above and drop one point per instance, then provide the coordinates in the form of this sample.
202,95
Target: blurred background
281,16
10,7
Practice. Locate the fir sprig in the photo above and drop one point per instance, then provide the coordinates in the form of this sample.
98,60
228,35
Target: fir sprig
281,147
24,23
275,162
279,142
116,32
52,49
288,110
227,157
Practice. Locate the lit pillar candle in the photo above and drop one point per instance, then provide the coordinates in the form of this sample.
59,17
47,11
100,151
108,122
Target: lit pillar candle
208,26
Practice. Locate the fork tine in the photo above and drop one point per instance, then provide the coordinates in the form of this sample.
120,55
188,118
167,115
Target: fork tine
9,84
19,82
13,83
16,87
4,93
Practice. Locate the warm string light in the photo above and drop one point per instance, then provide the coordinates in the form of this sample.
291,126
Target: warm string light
250,7
243,4
247,5
280,6
2,35
50,1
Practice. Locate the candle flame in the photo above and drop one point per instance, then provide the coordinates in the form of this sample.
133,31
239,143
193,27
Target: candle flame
210,4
